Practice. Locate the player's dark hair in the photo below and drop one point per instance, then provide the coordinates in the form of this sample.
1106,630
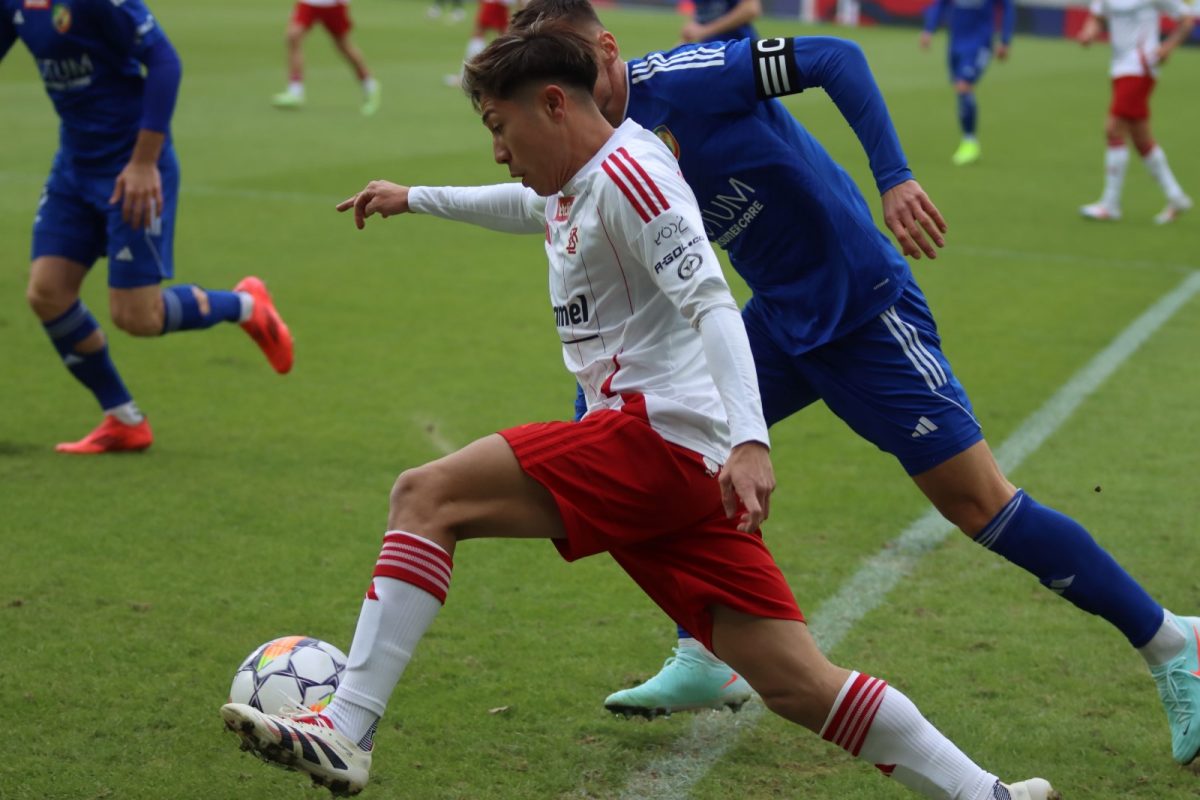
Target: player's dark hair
546,52
577,13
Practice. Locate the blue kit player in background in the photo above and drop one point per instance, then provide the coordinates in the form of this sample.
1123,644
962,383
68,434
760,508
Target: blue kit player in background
972,27
113,77
719,20
836,315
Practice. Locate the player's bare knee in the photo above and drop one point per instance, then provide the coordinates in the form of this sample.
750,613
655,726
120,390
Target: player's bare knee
416,497
138,321
48,302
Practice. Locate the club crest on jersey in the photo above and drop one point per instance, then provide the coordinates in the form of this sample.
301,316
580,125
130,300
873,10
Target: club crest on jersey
61,17
39,4
563,209
666,137
573,240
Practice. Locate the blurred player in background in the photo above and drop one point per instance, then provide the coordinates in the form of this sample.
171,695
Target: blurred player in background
972,28
492,16
1133,27
113,77
836,315
335,16
439,8
721,20
648,324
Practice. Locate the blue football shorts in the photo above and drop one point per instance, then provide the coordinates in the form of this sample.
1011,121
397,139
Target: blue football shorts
888,380
968,64
75,221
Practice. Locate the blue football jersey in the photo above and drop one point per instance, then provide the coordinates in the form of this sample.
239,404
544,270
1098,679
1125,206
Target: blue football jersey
972,23
88,53
708,10
795,226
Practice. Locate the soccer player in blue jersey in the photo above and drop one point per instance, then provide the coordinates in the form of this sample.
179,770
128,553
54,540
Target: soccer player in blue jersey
836,315
972,27
719,20
113,76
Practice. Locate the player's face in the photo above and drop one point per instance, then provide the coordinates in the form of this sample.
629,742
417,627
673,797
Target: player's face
524,141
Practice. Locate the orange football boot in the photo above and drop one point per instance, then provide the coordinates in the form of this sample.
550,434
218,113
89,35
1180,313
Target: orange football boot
111,436
266,327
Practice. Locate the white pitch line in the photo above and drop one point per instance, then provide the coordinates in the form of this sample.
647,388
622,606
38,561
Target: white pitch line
710,736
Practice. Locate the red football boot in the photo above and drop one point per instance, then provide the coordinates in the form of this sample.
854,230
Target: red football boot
112,436
266,327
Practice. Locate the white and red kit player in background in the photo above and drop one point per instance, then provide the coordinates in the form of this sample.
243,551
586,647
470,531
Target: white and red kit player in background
650,330
1133,27
334,15
493,15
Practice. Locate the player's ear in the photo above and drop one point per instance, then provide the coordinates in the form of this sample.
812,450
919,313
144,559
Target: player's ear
608,47
552,100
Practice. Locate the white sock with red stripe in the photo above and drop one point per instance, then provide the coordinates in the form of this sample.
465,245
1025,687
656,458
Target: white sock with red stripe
407,590
1116,158
877,723
1156,163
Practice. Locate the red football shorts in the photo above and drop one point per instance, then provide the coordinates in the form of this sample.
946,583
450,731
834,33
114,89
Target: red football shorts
492,16
1131,97
336,19
656,509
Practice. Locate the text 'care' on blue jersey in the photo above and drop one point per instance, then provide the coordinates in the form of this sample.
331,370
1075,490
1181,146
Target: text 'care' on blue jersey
972,23
794,224
90,55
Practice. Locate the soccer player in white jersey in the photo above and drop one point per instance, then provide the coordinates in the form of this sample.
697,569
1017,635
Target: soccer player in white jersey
1137,54
334,15
673,441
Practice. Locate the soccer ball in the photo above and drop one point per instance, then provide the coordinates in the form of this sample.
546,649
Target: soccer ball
292,670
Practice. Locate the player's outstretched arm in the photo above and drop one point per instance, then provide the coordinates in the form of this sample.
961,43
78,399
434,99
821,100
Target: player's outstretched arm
913,219
504,207
377,197
1090,31
1183,29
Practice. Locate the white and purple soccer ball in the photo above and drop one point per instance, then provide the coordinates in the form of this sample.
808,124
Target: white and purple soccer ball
289,671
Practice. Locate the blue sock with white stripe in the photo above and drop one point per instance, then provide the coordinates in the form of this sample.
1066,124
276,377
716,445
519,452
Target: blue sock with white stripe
94,370
1068,561
967,112
181,309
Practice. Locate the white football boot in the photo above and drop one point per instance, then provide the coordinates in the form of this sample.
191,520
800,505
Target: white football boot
1032,789
1175,207
1100,211
302,740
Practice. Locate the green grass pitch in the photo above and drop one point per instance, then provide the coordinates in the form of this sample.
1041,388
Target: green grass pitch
131,587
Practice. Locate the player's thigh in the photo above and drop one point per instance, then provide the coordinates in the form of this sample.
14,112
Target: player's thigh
783,388
68,237
141,257
892,384
967,65
780,659
478,491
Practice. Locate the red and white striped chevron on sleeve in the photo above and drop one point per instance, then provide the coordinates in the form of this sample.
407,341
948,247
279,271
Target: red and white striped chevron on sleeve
635,183
851,720
412,559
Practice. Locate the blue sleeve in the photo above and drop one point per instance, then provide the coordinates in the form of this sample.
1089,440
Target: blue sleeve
580,403
8,34
131,30
1008,20
840,68
934,15
163,73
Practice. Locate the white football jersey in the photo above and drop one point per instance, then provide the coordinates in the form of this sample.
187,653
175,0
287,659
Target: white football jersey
631,276
1133,28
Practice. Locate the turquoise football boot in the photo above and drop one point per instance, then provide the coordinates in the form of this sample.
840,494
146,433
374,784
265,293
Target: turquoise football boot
1178,683
690,680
